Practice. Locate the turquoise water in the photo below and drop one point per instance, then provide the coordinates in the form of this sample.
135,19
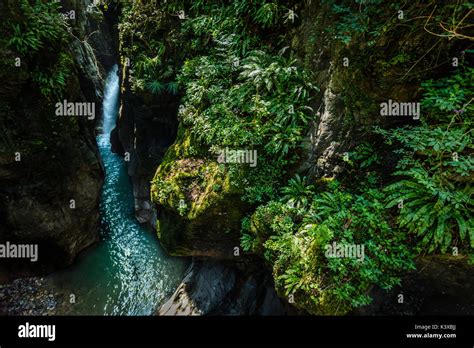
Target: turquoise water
127,273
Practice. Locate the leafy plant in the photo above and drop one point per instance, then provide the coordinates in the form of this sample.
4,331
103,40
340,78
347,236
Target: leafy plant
248,242
435,166
267,15
432,208
24,42
298,192
156,87
39,36
52,82
365,154
335,285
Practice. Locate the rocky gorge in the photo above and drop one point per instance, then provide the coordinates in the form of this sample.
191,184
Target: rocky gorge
176,70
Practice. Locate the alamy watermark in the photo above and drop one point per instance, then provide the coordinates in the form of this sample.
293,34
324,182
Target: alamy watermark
21,251
237,156
28,330
339,250
393,108
84,109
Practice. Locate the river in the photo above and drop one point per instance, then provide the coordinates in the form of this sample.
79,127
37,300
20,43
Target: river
127,272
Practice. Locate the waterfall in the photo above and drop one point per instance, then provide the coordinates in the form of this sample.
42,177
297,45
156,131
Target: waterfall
111,100
127,273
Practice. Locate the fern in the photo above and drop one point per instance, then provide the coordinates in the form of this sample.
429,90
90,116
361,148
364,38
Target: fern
365,154
24,42
432,209
436,164
298,192
248,242
156,87
267,15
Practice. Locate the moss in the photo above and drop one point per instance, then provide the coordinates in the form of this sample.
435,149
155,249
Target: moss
261,221
199,208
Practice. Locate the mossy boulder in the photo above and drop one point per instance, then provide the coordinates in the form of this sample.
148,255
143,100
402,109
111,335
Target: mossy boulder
199,206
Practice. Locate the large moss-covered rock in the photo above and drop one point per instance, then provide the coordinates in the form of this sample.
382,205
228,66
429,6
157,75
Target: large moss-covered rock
199,207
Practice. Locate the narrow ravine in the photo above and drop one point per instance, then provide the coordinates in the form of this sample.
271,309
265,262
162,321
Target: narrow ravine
127,273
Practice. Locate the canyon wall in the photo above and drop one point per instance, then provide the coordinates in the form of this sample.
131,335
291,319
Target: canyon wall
47,160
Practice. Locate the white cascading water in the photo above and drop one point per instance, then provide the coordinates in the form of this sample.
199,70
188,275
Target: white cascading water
111,99
127,272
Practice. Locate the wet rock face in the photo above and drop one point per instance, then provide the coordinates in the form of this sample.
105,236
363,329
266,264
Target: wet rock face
51,196
146,127
94,46
211,288
39,210
210,234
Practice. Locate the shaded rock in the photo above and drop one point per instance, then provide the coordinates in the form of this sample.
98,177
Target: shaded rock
212,233
441,285
211,288
145,128
59,156
347,106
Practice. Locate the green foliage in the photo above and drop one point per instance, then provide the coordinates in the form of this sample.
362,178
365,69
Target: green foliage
248,242
262,185
436,165
433,209
141,34
156,87
370,20
158,40
39,36
433,180
265,104
298,192
258,102
365,155
324,285
449,95
41,25
352,17
182,208
23,42
267,15
52,82
172,87
163,190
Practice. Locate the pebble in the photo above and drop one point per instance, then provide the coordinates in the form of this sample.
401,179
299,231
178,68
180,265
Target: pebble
27,296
